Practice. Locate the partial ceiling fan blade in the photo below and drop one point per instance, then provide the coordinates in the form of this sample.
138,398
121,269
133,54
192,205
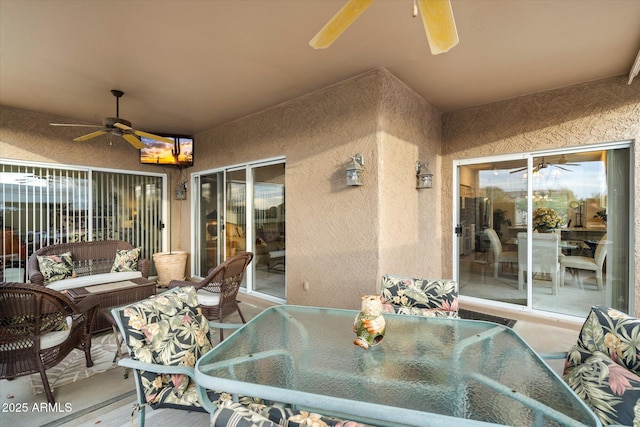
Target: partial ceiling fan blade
152,136
90,135
76,125
142,133
519,170
564,169
437,17
133,140
340,22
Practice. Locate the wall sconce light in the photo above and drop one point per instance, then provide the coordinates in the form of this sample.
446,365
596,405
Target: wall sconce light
354,170
423,176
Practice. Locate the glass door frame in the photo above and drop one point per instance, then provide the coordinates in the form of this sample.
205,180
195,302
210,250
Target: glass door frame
196,241
529,157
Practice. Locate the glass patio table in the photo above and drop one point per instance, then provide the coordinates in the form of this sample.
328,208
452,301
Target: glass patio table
426,371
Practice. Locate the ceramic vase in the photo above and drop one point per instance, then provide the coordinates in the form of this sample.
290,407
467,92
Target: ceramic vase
369,324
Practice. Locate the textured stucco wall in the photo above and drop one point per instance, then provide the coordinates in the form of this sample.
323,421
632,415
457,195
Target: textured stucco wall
332,241
340,240
598,112
409,130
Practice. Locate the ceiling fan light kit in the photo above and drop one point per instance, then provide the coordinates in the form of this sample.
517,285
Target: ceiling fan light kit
118,127
437,18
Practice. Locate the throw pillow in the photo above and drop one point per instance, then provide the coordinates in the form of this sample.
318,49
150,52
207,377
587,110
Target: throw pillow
56,267
126,260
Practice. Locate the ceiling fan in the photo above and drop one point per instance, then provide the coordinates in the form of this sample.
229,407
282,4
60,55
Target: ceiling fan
437,18
117,126
543,165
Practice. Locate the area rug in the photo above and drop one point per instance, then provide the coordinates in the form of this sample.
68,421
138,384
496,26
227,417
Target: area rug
474,315
73,368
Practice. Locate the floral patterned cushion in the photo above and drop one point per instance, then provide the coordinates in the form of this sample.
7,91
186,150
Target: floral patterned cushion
126,260
603,367
239,415
167,329
424,297
611,391
56,267
285,415
611,332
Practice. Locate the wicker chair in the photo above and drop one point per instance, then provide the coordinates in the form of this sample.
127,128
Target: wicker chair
39,327
217,292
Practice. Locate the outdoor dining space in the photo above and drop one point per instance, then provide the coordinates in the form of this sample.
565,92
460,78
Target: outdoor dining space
426,362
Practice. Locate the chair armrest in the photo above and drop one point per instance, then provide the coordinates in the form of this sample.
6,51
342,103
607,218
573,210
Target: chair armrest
160,369
218,325
90,302
182,283
554,355
144,266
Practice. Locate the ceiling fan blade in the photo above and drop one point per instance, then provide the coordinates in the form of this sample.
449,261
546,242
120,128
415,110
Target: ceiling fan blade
90,135
519,170
155,137
437,17
133,140
76,125
564,169
340,22
142,133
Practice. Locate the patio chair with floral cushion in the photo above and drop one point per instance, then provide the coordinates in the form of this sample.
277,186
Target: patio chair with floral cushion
603,368
423,297
165,335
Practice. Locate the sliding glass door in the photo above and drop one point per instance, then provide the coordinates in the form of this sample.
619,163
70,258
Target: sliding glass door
243,209
44,205
547,232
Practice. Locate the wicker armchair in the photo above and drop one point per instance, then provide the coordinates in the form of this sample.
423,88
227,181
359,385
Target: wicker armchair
39,327
217,292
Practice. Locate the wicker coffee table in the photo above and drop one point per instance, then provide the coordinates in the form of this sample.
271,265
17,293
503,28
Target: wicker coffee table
114,295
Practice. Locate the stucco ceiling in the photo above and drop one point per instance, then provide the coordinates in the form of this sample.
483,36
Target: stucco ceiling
187,66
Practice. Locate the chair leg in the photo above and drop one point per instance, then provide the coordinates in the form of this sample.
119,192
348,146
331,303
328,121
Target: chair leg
45,384
240,313
87,352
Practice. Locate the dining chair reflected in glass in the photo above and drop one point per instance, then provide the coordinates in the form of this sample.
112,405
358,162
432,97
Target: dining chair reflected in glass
499,256
594,264
545,253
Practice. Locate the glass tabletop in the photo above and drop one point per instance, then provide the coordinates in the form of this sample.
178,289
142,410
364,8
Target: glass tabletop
472,370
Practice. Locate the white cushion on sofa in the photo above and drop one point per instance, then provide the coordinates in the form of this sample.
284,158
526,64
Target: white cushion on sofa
93,279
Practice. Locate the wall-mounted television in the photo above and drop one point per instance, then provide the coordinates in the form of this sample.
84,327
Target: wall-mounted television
180,153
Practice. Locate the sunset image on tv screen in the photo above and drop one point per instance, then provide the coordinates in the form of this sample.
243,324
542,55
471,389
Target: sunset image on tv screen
161,153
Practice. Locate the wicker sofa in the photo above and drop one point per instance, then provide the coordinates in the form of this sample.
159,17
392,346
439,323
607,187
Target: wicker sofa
92,262
84,268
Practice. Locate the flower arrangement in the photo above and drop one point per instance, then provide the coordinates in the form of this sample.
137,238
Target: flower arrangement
546,218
